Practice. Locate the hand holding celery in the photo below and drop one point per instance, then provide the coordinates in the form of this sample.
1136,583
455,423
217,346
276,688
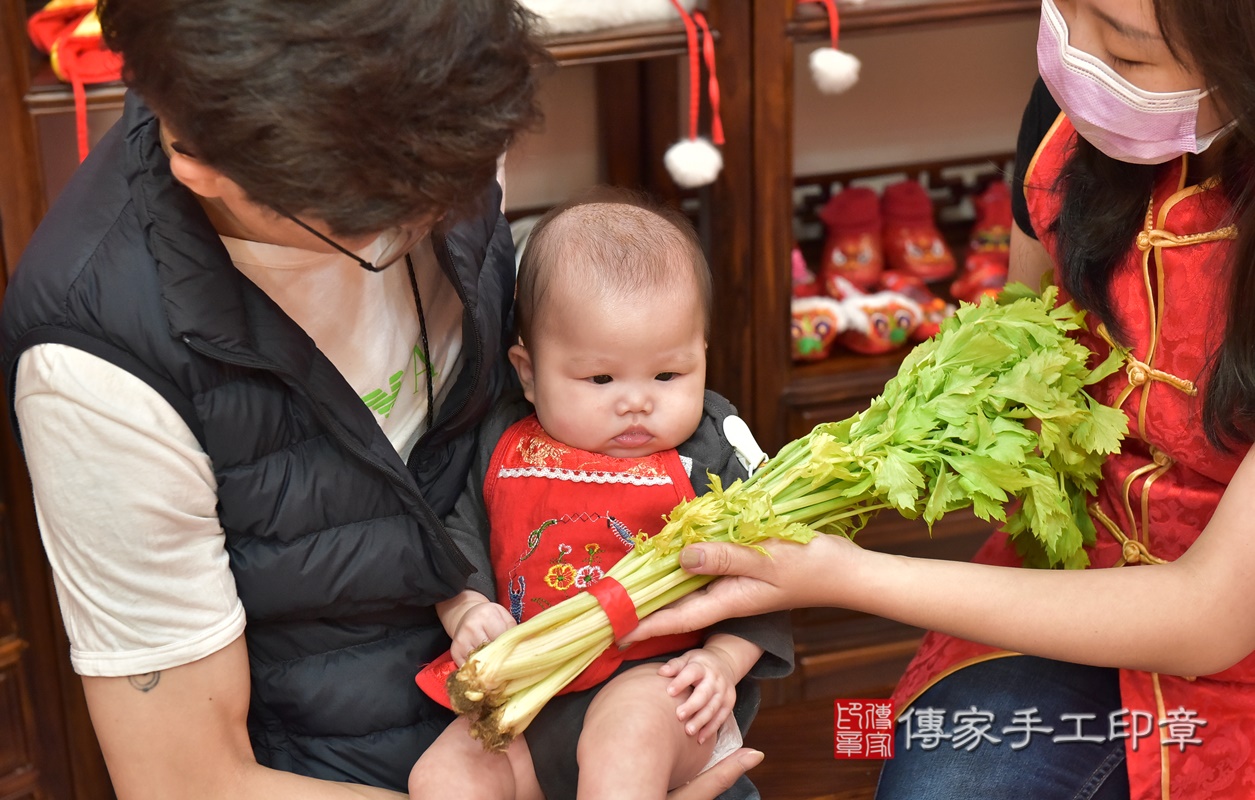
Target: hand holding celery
950,431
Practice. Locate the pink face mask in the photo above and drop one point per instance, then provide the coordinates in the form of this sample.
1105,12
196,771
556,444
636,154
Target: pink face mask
1123,121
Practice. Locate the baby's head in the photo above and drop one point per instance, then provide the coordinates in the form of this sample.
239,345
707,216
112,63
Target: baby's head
613,306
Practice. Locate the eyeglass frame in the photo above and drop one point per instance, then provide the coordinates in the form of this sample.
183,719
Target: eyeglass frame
410,236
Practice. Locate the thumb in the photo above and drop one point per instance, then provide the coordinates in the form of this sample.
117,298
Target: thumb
719,558
719,778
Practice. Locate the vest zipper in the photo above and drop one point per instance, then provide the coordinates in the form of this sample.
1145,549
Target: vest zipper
338,431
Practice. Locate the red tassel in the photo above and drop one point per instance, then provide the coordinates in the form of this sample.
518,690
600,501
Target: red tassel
834,23
695,69
80,116
695,161
708,50
79,57
48,24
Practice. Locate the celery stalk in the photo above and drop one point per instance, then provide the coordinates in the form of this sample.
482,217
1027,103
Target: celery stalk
948,432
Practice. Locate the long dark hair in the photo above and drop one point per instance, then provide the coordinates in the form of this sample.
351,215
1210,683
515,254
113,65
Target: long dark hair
1102,195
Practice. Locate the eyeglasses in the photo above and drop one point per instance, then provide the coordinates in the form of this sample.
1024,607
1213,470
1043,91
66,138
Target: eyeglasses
401,240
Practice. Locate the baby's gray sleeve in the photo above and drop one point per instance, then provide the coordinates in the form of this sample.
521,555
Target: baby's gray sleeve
467,523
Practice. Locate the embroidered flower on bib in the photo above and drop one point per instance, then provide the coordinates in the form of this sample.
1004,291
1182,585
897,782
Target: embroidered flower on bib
561,576
587,576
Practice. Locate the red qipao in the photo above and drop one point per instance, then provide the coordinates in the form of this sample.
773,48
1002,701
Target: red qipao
1157,495
561,518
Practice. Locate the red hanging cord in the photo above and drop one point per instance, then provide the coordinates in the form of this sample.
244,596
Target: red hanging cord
80,115
708,50
695,69
834,23
65,65
78,57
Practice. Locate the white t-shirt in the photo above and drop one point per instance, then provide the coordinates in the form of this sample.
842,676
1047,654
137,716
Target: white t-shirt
125,496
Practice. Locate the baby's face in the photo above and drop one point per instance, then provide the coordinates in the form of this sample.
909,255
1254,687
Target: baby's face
624,377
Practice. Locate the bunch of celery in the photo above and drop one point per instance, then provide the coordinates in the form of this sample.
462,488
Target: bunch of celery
993,408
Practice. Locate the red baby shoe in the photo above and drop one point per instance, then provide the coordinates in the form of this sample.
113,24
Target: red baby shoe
983,274
991,233
879,323
805,284
911,240
989,248
933,309
816,323
852,248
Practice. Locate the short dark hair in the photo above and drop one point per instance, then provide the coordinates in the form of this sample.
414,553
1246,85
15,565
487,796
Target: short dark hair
360,114
633,242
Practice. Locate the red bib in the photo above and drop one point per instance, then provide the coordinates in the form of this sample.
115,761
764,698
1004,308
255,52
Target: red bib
562,517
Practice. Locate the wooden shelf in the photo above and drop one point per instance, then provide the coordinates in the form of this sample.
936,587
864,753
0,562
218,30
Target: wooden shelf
48,94
810,22
848,373
628,43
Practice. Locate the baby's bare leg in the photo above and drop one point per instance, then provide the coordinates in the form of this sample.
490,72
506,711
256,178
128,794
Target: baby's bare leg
458,766
633,746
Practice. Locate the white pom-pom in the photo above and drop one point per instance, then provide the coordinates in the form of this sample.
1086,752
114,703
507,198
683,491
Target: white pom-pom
693,162
834,71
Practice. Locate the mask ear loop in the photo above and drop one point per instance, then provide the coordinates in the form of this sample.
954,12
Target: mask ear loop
1206,140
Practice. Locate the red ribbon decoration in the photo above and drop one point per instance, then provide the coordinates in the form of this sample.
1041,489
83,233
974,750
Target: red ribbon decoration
706,50
76,59
617,604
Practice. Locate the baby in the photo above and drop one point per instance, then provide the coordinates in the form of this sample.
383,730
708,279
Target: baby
614,306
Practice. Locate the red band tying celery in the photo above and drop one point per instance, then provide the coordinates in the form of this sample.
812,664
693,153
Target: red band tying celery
617,605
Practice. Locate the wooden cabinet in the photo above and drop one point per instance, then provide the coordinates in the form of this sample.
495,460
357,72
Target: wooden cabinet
779,28
21,766
639,92
840,654
47,750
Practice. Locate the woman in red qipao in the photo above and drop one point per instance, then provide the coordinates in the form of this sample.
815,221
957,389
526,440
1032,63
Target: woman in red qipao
1134,678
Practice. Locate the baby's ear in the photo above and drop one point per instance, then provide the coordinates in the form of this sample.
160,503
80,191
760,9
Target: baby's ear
522,361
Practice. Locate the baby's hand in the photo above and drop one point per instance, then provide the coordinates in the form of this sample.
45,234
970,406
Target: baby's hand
481,623
714,690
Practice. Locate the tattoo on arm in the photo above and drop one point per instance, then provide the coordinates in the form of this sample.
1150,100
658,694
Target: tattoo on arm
146,682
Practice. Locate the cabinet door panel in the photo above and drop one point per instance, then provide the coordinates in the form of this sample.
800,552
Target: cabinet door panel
16,757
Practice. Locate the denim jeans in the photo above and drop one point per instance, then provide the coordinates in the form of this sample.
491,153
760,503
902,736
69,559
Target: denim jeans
945,748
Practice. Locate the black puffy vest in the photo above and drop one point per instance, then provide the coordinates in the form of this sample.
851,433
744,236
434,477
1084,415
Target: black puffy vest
336,544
